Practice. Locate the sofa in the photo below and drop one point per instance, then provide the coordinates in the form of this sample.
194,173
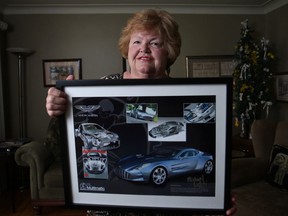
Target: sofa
255,195
260,183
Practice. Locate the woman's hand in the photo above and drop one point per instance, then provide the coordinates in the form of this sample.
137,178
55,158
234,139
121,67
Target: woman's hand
233,209
56,101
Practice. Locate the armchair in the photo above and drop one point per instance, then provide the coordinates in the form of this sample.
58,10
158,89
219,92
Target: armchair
256,195
44,160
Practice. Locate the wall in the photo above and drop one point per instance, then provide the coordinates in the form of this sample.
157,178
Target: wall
276,31
2,92
94,39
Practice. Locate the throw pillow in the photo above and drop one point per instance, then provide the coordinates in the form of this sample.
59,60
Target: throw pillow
52,139
278,168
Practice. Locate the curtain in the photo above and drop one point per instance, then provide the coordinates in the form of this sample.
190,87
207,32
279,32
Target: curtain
3,28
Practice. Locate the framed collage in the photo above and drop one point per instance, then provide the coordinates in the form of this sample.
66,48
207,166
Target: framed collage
59,69
281,87
143,145
210,66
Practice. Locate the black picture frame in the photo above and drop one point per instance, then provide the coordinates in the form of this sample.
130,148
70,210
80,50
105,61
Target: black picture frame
59,69
210,66
281,86
96,178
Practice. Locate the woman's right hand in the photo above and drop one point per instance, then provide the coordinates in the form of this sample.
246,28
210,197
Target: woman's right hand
56,101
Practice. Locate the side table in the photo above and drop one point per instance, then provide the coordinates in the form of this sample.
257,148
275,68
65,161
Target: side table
242,147
7,152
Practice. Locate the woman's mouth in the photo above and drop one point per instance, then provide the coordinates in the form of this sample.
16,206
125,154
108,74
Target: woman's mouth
145,58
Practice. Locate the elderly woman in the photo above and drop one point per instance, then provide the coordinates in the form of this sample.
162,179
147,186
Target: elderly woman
151,42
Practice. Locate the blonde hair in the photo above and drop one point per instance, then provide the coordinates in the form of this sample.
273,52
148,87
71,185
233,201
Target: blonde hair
150,19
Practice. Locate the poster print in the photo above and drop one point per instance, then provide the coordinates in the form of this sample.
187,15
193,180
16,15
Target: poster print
136,147
210,66
60,69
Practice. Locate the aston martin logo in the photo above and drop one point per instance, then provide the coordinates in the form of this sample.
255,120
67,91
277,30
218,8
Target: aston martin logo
87,108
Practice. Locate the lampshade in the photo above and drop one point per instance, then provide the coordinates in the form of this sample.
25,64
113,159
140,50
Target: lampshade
20,51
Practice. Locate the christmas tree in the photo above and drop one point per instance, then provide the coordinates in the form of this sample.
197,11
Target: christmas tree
253,79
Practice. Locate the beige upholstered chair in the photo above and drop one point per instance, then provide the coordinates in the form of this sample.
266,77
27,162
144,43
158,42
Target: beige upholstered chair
254,194
44,160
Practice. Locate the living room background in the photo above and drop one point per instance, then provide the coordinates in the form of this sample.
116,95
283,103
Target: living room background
94,37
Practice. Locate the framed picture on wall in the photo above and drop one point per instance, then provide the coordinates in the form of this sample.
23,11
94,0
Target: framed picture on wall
281,86
59,69
209,66
132,144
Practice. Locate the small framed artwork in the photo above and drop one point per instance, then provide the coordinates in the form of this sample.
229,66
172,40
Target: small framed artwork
281,87
59,69
148,145
209,66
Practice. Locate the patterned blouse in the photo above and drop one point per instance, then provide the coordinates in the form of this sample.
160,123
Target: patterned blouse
113,76
107,213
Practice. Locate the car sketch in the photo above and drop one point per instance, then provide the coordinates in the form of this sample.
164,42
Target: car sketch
142,112
202,113
164,163
95,162
93,135
166,129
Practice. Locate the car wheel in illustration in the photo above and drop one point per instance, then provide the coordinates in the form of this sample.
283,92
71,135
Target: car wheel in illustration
159,176
165,134
208,167
151,134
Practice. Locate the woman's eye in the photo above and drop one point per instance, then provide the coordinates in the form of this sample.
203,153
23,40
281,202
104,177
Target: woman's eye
136,42
155,44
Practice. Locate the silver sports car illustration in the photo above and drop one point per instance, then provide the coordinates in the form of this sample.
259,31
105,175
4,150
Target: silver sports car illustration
95,162
139,114
202,113
167,129
93,135
164,163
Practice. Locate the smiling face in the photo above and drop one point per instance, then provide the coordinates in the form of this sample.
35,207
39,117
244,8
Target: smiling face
147,55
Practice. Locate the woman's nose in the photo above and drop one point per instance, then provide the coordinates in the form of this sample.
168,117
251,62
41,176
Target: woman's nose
144,48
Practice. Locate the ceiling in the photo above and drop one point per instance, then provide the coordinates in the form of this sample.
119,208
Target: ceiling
199,2
128,6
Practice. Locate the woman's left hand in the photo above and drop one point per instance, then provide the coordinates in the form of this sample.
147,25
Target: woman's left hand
233,209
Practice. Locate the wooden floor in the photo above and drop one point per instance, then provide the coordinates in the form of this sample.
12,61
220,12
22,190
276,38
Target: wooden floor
24,208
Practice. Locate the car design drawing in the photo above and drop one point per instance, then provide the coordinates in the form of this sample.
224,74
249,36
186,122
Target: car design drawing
95,136
164,163
167,129
202,113
95,162
141,114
